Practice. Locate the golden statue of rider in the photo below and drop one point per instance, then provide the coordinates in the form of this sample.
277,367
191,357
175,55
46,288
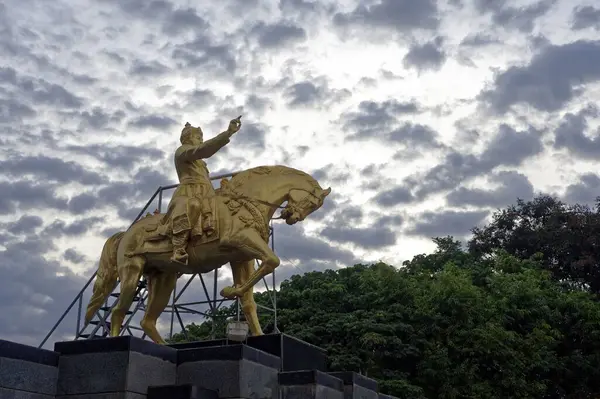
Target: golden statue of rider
192,200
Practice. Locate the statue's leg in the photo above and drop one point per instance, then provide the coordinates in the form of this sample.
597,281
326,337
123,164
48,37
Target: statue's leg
181,231
208,222
252,244
160,287
129,274
241,271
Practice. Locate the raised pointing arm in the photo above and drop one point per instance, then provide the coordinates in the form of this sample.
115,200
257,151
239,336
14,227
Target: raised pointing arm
204,150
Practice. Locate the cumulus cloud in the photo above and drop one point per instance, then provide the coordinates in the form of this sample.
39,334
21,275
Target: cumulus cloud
375,99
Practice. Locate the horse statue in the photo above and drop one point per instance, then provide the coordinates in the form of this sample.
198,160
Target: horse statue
244,206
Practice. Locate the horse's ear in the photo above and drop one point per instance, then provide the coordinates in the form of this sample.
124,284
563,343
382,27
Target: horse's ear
326,192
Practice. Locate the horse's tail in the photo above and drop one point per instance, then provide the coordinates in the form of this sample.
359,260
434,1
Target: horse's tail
107,277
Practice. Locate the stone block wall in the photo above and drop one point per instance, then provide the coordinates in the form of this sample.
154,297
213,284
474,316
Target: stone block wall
273,366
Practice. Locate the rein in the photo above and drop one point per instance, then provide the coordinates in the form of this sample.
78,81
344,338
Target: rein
269,204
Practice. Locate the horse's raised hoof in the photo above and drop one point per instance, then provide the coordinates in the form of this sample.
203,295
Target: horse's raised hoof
230,293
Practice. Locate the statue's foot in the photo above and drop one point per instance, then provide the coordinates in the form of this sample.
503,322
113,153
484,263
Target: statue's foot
230,293
180,257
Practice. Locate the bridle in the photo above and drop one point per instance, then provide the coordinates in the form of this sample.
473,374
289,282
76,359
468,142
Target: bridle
289,207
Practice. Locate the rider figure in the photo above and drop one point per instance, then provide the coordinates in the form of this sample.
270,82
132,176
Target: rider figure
192,198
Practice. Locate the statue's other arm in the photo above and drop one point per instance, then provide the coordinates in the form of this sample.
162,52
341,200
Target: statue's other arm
204,150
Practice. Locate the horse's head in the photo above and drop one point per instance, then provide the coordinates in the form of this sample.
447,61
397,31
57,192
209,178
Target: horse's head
302,203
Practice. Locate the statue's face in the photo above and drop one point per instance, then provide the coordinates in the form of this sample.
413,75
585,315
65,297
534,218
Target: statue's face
197,137
301,204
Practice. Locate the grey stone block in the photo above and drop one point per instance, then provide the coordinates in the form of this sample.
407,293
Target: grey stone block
357,386
185,391
105,395
310,384
26,371
232,371
6,393
27,376
384,396
124,366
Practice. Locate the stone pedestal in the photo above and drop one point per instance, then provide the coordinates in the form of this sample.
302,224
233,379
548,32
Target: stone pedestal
357,386
233,371
310,385
185,391
295,354
27,372
113,368
132,368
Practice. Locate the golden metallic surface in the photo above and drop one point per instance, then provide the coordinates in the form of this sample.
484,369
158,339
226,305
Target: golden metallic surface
202,230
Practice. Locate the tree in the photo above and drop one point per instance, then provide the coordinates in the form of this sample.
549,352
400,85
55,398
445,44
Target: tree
566,236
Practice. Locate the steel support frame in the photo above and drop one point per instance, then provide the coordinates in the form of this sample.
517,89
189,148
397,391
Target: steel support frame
102,325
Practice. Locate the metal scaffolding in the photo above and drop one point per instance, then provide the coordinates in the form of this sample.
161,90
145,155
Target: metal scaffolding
99,326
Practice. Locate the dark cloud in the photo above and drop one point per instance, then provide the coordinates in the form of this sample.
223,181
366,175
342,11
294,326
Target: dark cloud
479,40
552,78
571,135
522,18
390,220
153,122
49,169
148,68
428,56
202,52
25,195
60,228
394,196
279,34
120,156
376,119
34,292
39,91
252,136
82,203
174,21
398,15
292,243
202,97
508,148
258,103
511,185
585,17
98,118
584,191
11,110
27,224
129,197
447,222
415,135
330,175
73,256
374,237
313,93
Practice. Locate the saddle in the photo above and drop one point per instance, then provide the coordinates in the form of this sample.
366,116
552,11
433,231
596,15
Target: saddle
158,231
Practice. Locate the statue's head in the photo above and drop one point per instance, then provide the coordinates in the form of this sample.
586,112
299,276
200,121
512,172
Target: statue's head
191,135
302,203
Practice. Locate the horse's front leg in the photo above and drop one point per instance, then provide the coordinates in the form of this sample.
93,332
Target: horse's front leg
252,244
241,271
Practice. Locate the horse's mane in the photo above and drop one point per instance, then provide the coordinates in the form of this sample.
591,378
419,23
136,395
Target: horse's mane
261,171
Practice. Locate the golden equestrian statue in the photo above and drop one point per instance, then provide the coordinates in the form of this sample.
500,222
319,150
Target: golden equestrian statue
202,230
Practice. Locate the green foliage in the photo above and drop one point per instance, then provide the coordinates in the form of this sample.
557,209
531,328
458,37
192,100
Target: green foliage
566,237
513,316
471,328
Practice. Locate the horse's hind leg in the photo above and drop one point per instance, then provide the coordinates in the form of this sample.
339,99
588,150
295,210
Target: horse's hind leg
160,287
129,274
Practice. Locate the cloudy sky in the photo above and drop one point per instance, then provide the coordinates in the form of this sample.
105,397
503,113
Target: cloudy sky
422,116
